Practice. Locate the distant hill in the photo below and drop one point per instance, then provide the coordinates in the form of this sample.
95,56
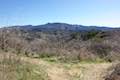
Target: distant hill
63,26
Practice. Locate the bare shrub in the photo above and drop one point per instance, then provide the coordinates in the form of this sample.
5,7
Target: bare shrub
114,72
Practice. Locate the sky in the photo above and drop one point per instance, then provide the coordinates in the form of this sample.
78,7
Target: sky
83,12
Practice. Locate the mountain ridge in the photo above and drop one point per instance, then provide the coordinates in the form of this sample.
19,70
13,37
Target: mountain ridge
63,26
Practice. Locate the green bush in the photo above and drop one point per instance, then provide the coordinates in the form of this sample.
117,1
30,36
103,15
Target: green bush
89,35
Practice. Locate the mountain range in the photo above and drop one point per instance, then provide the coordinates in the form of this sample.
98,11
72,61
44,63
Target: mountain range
62,26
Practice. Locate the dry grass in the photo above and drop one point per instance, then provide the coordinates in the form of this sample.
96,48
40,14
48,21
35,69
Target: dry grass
72,71
12,67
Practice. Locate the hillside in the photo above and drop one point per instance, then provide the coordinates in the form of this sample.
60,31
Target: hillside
67,42
59,51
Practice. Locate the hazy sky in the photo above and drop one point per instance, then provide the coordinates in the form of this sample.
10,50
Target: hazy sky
85,12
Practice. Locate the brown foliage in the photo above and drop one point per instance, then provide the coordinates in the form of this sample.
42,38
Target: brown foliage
60,43
115,75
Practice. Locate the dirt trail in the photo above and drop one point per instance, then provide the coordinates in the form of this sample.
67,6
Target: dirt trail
95,71
61,71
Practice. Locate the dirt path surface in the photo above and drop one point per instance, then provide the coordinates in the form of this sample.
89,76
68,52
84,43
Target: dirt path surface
65,71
